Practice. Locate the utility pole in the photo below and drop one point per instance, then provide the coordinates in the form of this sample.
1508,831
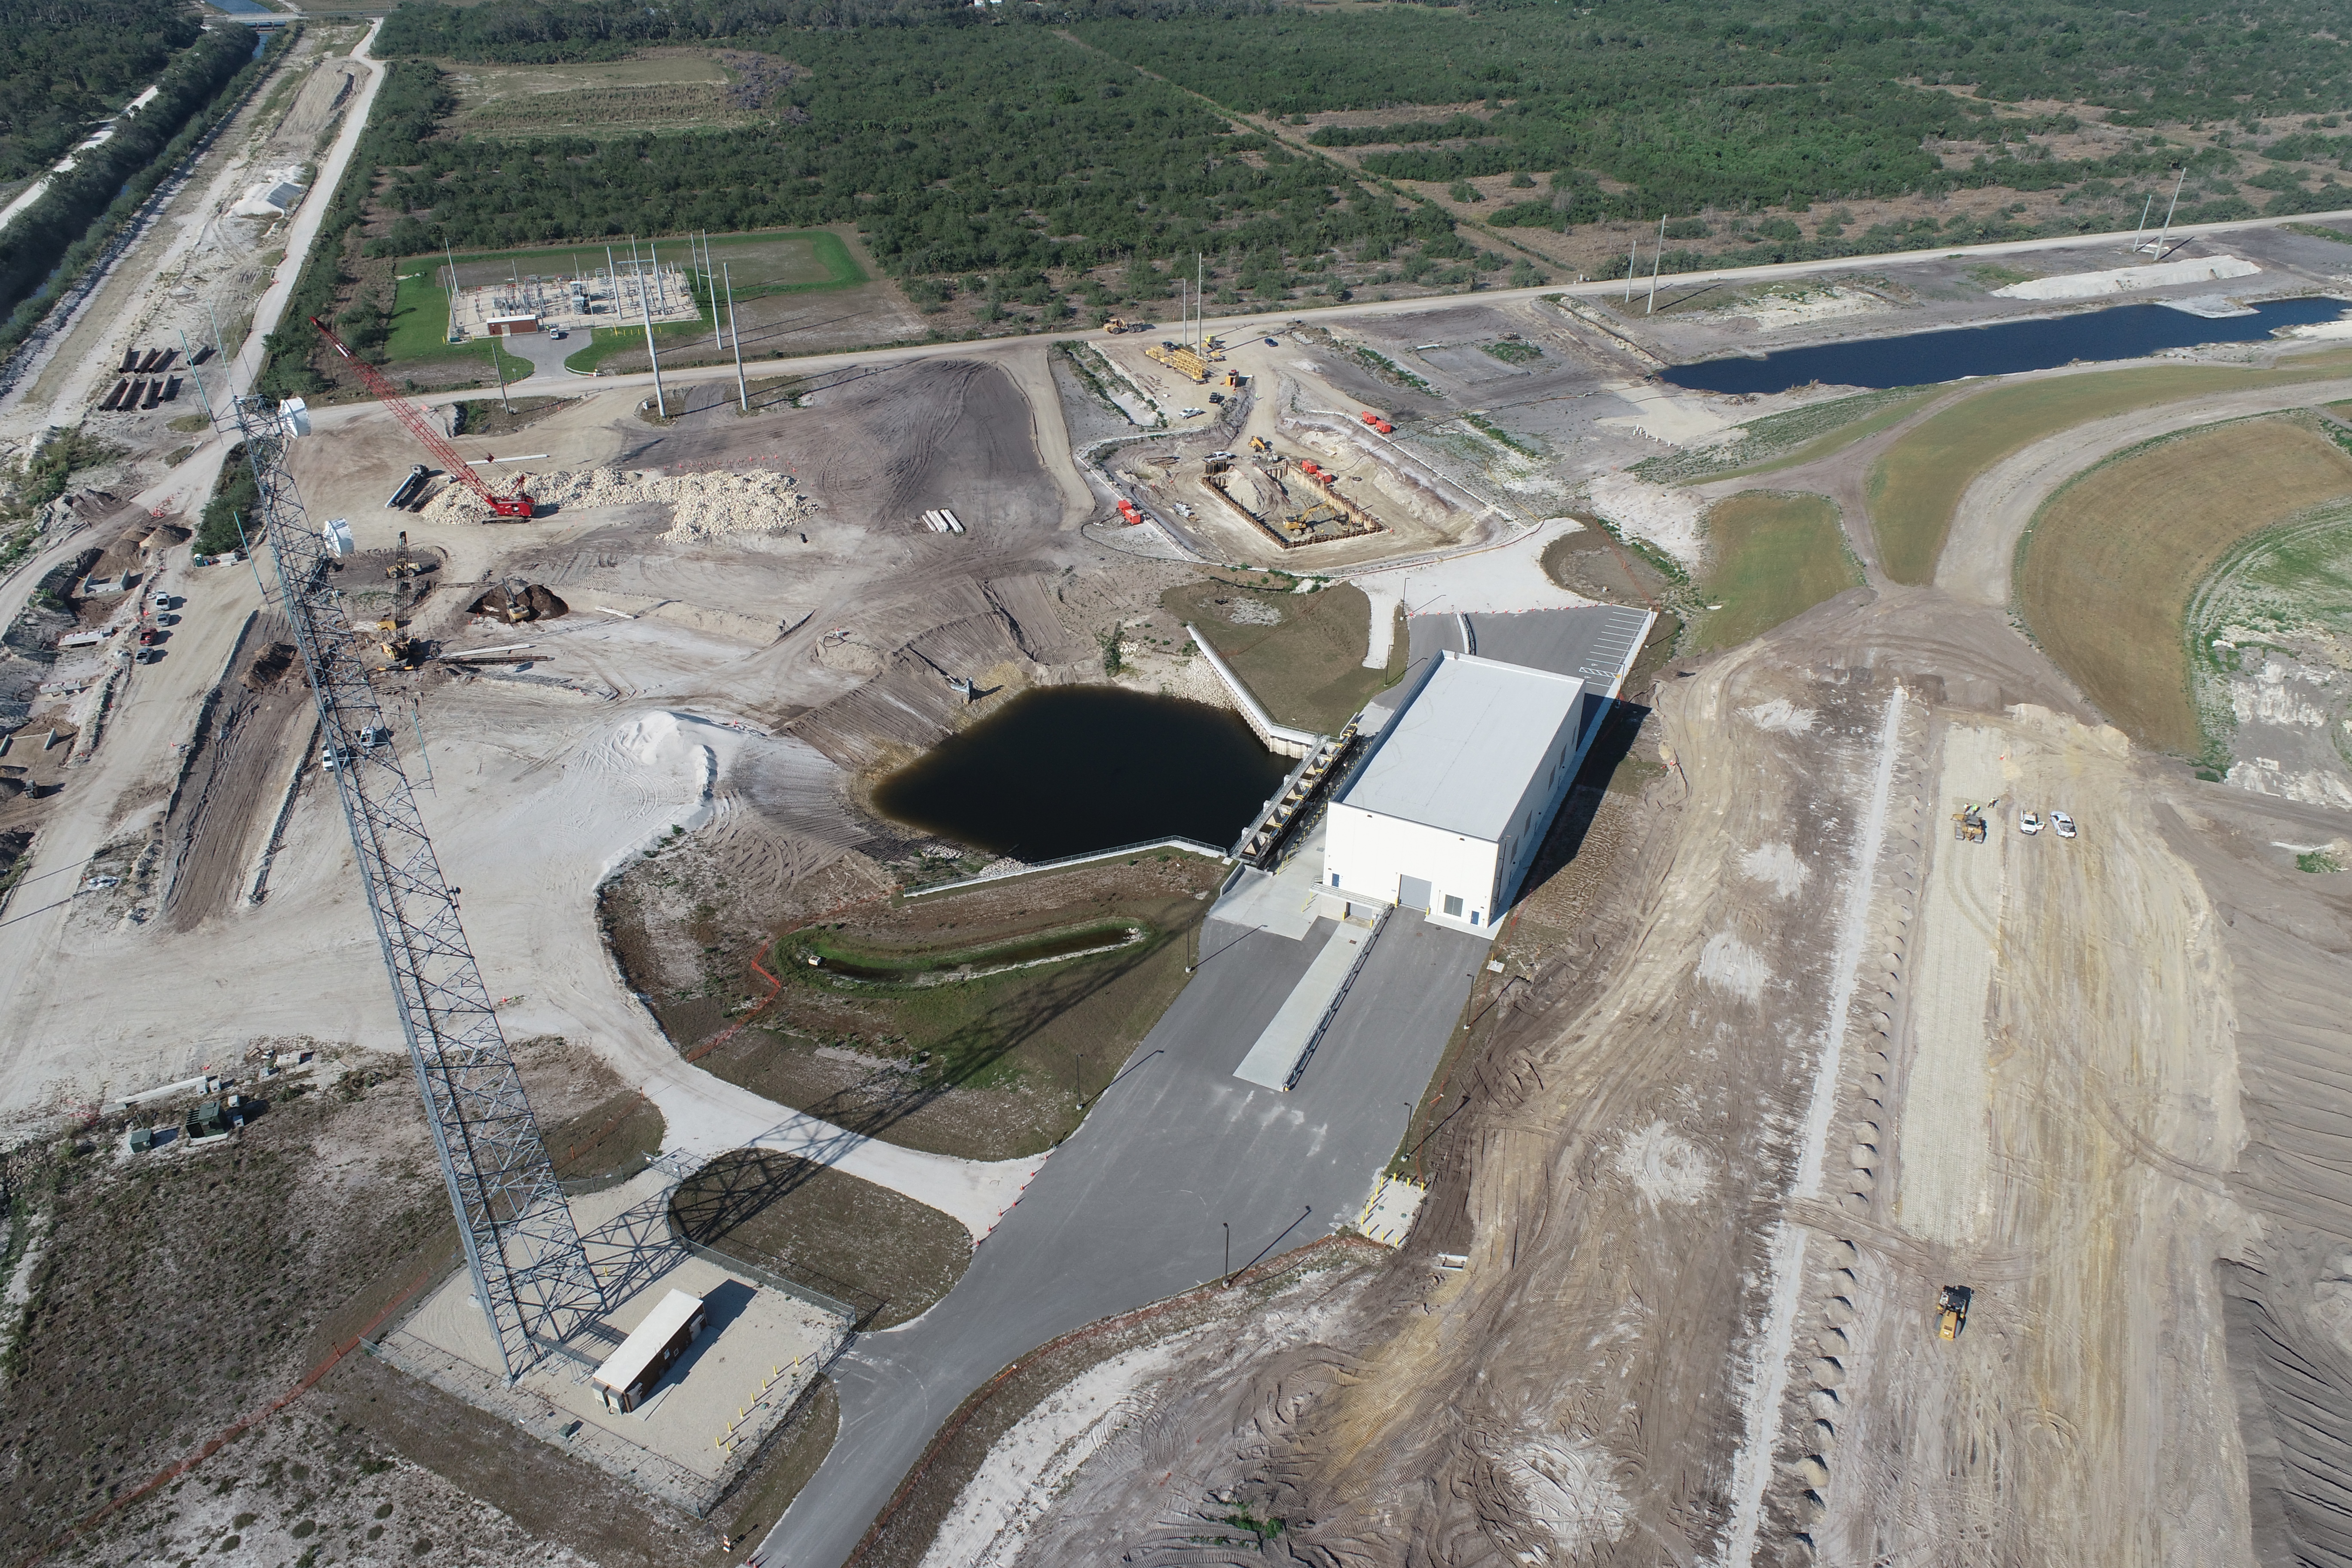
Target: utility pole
1634,251
661,284
451,257
1199,331
1655,262
636,267
498,364
2169,211
646,313
2145,209
743,390
612,284
710,287
198,379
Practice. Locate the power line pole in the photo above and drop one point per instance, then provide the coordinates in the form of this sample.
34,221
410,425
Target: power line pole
1632,253
1655,262
2145,209
195,376
643,310
498,364
2159,247
451,257
743,388
710,288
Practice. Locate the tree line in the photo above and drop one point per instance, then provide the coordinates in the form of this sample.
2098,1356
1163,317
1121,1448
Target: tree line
957,150
48,243
67,64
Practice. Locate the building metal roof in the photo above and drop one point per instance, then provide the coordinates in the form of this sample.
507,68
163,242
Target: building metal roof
671,1313
1460,756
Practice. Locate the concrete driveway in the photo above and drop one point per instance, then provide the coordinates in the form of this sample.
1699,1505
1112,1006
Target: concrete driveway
1132,1208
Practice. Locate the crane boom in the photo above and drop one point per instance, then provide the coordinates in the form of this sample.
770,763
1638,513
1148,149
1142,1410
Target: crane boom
433,441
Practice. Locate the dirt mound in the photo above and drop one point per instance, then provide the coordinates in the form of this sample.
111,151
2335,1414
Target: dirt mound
533,603
701,505
269,666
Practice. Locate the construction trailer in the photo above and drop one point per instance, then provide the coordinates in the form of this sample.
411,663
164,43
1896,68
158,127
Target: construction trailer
652,1348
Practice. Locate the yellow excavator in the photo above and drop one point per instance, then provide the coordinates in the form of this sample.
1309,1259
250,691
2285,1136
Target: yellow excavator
400,649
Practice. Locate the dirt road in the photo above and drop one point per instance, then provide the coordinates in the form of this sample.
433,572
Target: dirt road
1998,506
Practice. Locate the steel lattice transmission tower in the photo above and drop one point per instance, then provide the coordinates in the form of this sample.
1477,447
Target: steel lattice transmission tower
531,1276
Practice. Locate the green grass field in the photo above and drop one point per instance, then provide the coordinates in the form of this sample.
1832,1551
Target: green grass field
2106,575
1302,654
420,327
1770,559
758,265
1915,489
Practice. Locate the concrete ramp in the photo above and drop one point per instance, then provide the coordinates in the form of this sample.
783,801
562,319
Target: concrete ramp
1282,1050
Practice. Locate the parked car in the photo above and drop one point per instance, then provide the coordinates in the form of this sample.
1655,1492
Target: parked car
2029,823
2063,823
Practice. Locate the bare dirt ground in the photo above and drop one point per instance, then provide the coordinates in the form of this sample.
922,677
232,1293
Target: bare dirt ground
155,1299
1681,1148
1730,1064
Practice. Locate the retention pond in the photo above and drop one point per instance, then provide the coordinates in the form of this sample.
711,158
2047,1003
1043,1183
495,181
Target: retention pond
1070,769
1922,359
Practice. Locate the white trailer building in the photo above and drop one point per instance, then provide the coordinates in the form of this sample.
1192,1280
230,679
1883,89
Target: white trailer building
1446,813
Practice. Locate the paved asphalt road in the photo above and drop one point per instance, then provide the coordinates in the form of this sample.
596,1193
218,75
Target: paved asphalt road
1131,1208
1595,645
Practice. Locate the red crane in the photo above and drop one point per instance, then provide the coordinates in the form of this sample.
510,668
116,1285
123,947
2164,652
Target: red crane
515,505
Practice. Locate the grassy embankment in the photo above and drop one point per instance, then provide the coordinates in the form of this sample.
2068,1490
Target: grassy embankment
990,1066
1916,487
1302,654
1770,557
1789,439
885,1254
2108,570
2288,586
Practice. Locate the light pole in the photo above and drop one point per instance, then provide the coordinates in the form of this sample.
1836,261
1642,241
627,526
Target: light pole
1228,1274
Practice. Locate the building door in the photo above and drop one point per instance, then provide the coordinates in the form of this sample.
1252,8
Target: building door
1412,893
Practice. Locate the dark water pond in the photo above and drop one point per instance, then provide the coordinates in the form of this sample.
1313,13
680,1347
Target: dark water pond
1921,358
1074,768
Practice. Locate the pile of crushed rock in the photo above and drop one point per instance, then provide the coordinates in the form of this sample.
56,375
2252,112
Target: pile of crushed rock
701,505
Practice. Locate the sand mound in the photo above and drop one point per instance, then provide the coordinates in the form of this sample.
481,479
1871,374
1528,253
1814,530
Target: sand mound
701,505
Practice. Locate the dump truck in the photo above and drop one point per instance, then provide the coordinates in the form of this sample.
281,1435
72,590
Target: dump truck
1952,1307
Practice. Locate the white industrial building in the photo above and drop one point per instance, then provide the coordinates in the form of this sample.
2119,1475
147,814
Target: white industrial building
1447,811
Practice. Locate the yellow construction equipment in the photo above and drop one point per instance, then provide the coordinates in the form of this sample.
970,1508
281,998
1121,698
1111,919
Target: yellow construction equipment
1952,1309
1180,360
404,564
1114,326
1261,444
398,646
1968,823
